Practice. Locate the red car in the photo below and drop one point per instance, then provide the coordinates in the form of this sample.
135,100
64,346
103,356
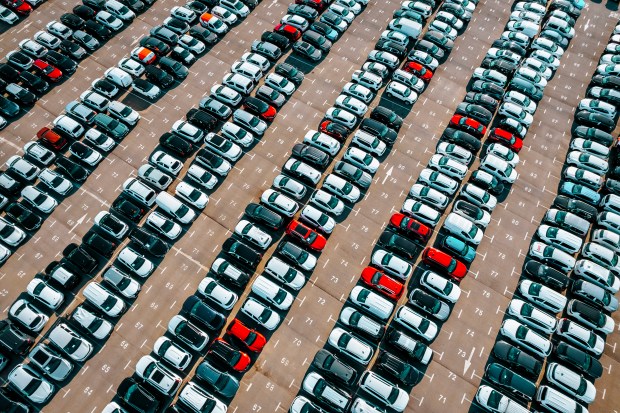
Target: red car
382,283
420,71
259,108
305,235
252,339
410,226
335,130
51,139
455,268
469,125
506,138
19,6
225,353
288,31
52,73
318,5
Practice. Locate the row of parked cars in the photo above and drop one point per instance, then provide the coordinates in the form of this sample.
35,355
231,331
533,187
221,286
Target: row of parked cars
11,10
206,311
333,382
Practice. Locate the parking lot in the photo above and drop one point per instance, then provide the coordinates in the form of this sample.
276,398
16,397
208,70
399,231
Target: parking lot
462,348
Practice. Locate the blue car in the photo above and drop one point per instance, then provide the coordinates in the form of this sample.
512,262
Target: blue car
459,248
580,192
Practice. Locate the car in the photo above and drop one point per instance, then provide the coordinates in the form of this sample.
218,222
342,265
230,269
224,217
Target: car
317,40
264,216
453,267
28,383
259,108
590,316
361,159
111,225
155,374
391,395
148,242
19,59
7,16
422,212
478,197
29,316
392,264
135,262
224,353
70,343
260,314
280,84
251,339
34,48
350,345
306,236
297,256
581,337
516,358
335,130
578,360
328,364
187,333
411,227
307,50
493,400
99,140
123,113
93,324
136,396
85,153
337,400
249,121
20,94
39,199
222,382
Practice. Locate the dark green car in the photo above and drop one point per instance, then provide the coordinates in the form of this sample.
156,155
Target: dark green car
110,126
510,381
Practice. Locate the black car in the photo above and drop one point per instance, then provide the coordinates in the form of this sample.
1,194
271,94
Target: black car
387,116
274,38
62,62
317,40
311,154
134,5
290,72
99,245
417,353
127,209
172,67
34,83
391,46
292,253
84,12
97,30
429,304
110,126
23,216
137,396
155,45
487,182
595,120
474,111
165,34
72,21
8,108
578,359
515,358
177,25
201,119
210,160
612,186
329,365
321,28
8,405
158,76
594,134
264,215
510,381
80,258
439,39
504,66
398,244
197,7
204,35
609,81
529,89
353,174
8,73
509,45
491,89
95,4
461,138
306,12
71,169
548,276
203,314
220,381
483,100
580,208
21,95
224,353
379,130
242,252
402,371
430,48
148,242
13,340
176,144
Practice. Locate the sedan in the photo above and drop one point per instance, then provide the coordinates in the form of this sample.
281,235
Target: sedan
28,315
382,282
45,294
305,235
362,160
39,199
123,112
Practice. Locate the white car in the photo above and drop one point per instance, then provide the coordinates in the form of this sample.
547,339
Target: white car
19,166
226,94
559,238
371,302
158,376
341,188
58,29
539,67
448,166
191,195
499,168
322,141
187,131
521,100
279,202
167,163
531,76
392,264
296,21
154,176
546,58
463,228
216,292
171,353
444,28
261,314
11,234
429,195
7,16
272,293
353,318
359,92
571,382
109,21
111,225
439,181
175,208
516,112
200,400
350,345
99,140
342,116
543,322
257,60
362,160
418,324
479,197
494,401
588,162
45,294
248,70
351,104
201,176
163,225
530,29
367,79
135,262
30,384
503,152
226,16
590,146
249,121
28,315
237,134
70,343
123,112
47,39
598,106
553,256
95,325
131,66
389,394
421,212
440,286
456,152
542,296
280,83
183,13
327,202
590,316
317,219
401,92
285,273
39,199
603,256
581,337
247,230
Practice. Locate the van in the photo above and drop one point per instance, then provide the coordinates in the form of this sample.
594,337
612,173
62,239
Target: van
68,126
414,348
239,83
104,300
556,402
596,274
542,296
610,221
406,26
369,142
139,191
285,273
224,269
372,302
175,208
611,203
417,323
